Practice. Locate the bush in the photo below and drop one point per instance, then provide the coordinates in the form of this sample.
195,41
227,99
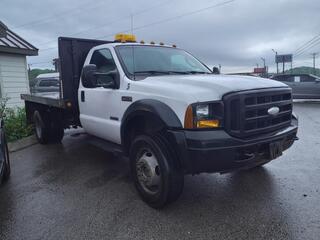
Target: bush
15,124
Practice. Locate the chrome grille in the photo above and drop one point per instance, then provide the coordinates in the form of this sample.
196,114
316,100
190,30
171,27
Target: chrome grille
246,113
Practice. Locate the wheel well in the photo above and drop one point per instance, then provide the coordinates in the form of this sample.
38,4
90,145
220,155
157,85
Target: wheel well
144,123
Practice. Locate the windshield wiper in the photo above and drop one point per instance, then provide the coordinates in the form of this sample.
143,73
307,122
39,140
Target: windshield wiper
169,72
196,72
152,72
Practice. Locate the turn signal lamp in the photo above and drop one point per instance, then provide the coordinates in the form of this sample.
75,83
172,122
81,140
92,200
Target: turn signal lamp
121,37
207,123
188,119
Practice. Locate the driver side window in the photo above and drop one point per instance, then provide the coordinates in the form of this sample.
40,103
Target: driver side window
103,59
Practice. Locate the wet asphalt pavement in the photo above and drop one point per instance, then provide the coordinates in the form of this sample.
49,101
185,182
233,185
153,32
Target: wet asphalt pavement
78,191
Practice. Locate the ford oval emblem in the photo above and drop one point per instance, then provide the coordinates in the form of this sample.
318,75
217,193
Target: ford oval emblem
273,111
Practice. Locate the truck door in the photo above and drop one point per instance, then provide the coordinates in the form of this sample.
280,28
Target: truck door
98,105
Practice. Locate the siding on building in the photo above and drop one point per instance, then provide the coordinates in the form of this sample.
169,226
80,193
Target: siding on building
13,78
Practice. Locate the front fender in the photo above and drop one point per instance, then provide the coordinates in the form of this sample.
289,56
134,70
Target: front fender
147,107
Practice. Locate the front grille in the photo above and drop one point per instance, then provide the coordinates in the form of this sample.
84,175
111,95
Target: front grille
246,113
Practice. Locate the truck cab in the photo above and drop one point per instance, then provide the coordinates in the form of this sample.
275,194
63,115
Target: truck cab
167,112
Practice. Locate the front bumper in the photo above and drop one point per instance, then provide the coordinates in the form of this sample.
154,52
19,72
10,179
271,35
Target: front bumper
217,151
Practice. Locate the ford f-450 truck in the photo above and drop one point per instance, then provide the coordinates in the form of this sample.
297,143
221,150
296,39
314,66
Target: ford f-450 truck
165,110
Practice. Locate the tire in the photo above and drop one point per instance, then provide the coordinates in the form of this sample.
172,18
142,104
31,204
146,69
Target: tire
6,170
56,133
46,130
157,180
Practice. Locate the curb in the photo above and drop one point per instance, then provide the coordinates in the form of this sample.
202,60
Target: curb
306,100
22,143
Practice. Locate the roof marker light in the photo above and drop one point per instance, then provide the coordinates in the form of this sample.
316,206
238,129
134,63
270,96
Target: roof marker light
121,37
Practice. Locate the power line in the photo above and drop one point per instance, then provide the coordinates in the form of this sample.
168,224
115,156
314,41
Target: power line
175,17
315,43
54,17
311,44
307,43
127,17
161,21
120,19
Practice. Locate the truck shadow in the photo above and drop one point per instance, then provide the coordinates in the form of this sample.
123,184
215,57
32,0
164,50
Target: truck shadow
246,202
235,203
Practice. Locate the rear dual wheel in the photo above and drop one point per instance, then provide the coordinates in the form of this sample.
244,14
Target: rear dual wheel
47,130
157,179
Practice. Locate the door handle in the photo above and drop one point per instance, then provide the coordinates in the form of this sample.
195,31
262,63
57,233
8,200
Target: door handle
82,96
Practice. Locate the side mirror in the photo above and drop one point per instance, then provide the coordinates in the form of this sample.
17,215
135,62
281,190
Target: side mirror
215,70
317,80
89,78
108,79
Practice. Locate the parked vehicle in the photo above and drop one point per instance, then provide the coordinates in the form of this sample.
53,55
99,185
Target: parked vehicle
48,82
5,169
165,110
304,86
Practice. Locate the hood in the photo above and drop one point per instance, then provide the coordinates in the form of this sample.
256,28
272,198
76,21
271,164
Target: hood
202,87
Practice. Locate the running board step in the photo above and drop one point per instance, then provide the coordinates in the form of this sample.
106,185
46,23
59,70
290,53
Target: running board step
105,145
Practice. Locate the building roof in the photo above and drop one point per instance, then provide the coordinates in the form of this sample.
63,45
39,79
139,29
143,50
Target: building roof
10,42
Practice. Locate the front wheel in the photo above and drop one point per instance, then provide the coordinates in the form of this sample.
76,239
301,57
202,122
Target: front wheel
155,175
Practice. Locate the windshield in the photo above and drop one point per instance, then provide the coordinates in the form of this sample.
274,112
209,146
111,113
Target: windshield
159,60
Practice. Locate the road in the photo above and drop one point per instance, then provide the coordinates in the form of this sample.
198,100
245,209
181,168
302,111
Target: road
77,191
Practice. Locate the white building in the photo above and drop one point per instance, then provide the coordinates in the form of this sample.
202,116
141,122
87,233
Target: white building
13,66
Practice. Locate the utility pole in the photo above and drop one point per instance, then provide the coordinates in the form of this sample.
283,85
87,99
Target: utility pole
314,55
264,62
29,68
264,67
276,59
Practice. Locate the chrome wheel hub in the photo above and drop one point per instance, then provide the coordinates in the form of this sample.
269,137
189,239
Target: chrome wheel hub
148,172
38,128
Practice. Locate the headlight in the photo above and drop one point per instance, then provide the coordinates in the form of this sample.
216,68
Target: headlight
202,111
204,115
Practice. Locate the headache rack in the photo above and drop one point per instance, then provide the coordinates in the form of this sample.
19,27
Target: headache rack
246,112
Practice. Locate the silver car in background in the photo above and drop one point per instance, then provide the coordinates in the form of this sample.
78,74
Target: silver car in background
48,82
304,86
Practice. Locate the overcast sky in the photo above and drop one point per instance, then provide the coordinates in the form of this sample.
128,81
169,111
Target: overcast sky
235,34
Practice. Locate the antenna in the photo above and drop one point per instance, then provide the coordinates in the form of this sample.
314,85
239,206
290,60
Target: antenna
134,75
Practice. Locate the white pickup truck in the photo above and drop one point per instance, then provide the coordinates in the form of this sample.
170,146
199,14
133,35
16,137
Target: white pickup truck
165,110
